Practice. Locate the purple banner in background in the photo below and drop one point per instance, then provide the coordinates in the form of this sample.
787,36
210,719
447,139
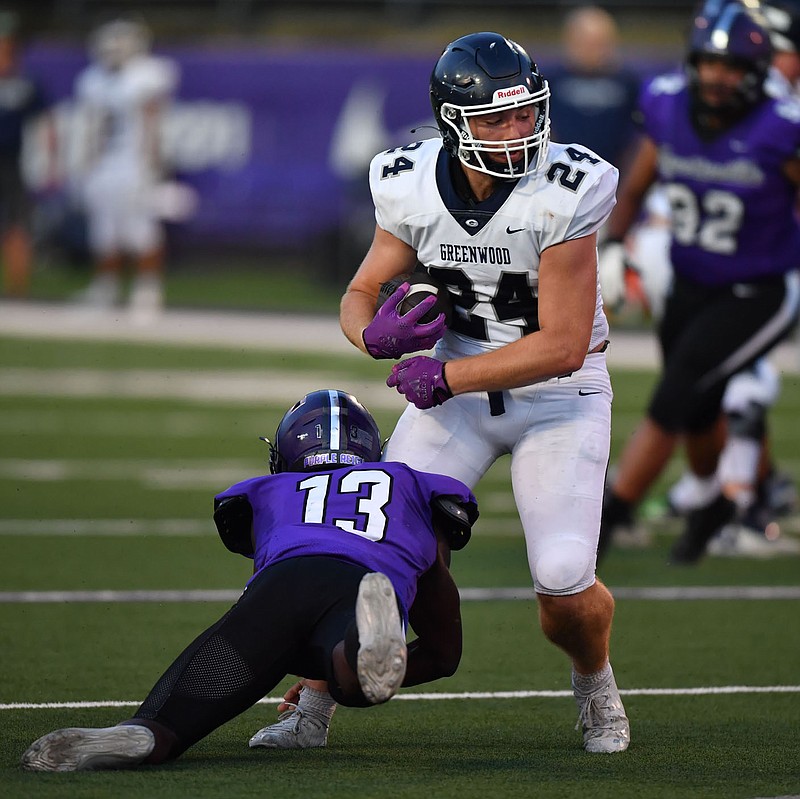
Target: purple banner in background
270,140
276,143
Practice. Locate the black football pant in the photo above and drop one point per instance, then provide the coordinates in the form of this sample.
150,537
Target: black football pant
287,621
709,334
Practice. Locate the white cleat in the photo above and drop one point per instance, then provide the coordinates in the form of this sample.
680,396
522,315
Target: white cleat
382,653
297,729
146,303
89,749
602,719
103,293
739,541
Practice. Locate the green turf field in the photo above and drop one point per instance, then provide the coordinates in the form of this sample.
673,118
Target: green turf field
111,492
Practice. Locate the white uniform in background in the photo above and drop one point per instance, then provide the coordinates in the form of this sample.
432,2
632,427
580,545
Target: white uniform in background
122,169
121,98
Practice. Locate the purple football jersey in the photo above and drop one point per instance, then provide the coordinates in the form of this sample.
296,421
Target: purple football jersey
376,515
732,208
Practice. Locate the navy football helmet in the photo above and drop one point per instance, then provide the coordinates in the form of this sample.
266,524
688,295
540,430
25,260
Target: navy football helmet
326,429
738,35
484,73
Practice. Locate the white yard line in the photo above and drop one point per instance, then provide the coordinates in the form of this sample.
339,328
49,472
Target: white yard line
234,387
712,690
657,594
264,331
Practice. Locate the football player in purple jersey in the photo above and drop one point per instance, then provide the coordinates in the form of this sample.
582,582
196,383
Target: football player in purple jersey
347,551
726,153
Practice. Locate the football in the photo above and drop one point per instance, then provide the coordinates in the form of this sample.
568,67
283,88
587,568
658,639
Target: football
422,286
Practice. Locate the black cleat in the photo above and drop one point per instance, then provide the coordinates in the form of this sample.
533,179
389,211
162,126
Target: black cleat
701,526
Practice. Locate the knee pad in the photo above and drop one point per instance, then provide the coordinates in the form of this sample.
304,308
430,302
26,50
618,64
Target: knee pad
565,565
760,385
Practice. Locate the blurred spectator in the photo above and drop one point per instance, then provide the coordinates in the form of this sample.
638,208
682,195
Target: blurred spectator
122,95
21,99
593,95
783,18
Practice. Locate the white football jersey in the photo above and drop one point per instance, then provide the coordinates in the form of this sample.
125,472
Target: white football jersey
488,253
117,99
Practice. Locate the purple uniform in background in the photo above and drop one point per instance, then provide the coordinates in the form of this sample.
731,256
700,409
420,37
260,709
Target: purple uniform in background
375,515
731,206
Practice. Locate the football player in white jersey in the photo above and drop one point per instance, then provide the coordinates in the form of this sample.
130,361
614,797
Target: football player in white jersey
507,221
121,96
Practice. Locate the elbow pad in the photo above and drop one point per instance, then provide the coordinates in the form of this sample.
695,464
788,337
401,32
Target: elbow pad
454,518
233,517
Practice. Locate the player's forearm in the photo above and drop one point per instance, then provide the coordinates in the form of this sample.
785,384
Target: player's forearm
355,313
426,664
624,215
640,177
538,356
435,617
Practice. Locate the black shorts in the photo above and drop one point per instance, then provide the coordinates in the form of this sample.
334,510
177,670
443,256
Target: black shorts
707,335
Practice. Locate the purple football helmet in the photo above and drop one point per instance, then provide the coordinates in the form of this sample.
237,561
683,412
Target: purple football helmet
326,429
736,34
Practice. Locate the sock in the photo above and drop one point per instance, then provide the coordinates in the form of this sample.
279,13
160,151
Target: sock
318,703
588,683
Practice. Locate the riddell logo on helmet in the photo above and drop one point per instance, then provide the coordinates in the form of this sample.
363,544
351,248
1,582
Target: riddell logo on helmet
506,94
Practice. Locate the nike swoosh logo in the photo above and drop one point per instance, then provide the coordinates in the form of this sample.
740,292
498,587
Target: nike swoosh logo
586,393
509,230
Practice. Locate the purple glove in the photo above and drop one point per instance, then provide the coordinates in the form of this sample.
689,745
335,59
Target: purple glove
422,381
390,335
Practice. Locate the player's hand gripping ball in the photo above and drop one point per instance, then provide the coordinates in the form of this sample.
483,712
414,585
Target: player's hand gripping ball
421,286
399,325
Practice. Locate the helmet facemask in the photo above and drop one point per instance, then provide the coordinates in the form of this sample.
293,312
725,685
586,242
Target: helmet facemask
486,73
481,154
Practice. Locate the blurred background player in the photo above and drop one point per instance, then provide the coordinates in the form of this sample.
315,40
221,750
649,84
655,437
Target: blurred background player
593,94
726,155
21,100
769,494
346,551
122,95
